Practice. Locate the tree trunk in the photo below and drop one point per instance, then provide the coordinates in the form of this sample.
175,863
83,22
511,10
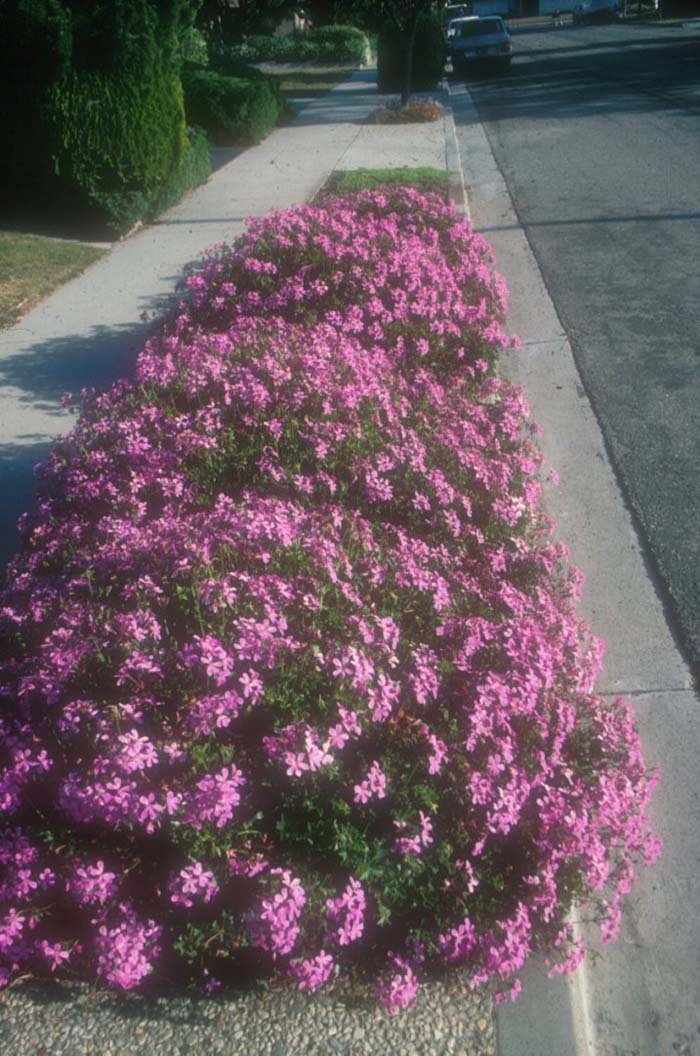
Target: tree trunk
408,61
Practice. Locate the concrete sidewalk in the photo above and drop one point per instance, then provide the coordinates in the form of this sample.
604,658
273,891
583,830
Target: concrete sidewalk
89,331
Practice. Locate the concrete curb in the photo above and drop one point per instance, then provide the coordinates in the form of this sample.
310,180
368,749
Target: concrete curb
456,188
572,1025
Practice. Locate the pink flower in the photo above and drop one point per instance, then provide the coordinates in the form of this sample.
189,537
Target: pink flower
313,972
193,882
373,785
55,954
399,986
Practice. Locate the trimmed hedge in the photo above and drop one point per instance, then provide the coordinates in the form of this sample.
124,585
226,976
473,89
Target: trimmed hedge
195,169
428,56
327,45
118,131
120,210
345,43
36,30
93,106
96,147
232,109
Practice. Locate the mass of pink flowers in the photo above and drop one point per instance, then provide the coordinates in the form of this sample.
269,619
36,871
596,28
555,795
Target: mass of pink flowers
291,679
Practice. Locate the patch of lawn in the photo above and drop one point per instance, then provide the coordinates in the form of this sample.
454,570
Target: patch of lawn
423,177
305,81
32,267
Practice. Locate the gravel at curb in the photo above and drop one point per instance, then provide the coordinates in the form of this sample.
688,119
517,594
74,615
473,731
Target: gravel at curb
75,1020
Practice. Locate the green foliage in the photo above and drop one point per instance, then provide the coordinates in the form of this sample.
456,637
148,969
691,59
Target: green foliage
194,170
428,56
423,178
222,22
369,15
193,47
232,109
227,60
101,135
113,34
325,46
116,211
36,46
346,44
118,132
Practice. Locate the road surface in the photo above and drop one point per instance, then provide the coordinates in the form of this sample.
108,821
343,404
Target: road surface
597,133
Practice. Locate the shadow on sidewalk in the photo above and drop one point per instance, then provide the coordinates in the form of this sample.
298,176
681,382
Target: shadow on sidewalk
43,372
40,374
18,487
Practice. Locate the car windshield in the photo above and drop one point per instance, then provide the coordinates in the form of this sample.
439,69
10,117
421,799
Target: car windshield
479,28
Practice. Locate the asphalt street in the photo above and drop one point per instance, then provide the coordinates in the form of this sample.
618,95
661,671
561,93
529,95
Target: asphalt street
596,131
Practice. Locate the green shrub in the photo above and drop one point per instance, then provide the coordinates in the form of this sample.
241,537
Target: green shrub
231,109
114,211
325,46
428,56
96,146
346,44
114,35
280,49
193,47
118,132
195,169
227,59
36,46
98,132
120,210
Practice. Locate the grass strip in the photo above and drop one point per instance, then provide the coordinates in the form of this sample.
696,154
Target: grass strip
311,82
422,178
31,267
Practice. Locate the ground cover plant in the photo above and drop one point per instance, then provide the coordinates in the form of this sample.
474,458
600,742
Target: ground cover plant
415,112
292,679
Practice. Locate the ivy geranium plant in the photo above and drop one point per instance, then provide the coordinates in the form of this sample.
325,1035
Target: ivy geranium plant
292,680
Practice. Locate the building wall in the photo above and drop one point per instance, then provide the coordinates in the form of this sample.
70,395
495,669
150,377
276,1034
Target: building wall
491,7
547,7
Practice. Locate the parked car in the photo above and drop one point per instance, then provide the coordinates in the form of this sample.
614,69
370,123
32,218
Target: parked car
453,11
480,43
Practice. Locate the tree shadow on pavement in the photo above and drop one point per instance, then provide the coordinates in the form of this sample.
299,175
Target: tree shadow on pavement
575,85
43,372
38,376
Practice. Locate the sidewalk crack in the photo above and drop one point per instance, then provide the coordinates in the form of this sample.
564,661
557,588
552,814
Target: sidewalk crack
648,692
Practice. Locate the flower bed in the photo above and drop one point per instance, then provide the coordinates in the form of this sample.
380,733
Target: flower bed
292,679
414,112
